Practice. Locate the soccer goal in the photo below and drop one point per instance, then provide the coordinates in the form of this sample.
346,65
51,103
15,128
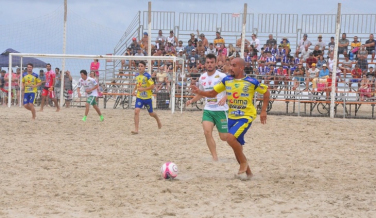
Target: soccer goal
116,78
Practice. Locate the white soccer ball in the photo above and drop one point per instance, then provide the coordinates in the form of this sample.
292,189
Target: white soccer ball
169,170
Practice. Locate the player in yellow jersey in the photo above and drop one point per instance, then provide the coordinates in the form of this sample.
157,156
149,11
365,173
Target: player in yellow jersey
144,87
30,81
239,91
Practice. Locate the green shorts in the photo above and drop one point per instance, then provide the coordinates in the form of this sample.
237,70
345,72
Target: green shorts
219,118
91,100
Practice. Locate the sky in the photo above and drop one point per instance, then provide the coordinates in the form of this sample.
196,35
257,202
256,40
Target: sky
26,24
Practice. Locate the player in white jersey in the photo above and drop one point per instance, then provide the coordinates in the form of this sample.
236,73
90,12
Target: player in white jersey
215,111
91,86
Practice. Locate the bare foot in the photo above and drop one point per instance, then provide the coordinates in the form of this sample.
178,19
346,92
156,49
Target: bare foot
215,159
40,110
159,125
243,168
134,132
57,110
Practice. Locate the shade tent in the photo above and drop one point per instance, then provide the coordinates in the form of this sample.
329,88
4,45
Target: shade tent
16,60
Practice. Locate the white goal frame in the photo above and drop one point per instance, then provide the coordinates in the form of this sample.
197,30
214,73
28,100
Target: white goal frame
105,57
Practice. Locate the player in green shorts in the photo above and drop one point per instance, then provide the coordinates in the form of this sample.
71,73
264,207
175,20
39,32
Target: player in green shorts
215,111
91,88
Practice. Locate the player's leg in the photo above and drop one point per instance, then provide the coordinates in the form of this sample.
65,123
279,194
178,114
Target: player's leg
95,106
221,124
52,95
235,138
44,94
208,122
138,106
149,106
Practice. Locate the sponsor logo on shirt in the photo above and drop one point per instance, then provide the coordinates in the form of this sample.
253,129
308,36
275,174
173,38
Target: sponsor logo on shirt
228,87
244,94
237,85
217,76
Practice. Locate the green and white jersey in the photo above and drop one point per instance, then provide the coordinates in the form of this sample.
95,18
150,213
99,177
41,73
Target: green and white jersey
206,83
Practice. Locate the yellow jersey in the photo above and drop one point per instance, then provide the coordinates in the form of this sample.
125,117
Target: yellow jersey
29,80
240,94
144,81
219,41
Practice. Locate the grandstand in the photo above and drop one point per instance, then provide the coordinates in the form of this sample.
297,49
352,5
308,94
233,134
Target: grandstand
292,26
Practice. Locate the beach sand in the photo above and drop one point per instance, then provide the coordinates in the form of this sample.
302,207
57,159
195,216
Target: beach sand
59,166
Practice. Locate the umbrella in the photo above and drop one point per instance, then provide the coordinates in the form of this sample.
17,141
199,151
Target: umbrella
16,60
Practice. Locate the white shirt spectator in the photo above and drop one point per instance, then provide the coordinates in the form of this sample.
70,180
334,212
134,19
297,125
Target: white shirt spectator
256,44
320,44
303,43
305,54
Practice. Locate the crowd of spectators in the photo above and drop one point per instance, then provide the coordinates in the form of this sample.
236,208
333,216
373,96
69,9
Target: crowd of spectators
310,62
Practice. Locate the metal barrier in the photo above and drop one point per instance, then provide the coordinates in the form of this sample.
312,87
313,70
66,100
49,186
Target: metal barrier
161,20
277,23
234,22
205,22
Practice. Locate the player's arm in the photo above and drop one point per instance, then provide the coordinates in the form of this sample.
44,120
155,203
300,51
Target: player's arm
197,91
194,99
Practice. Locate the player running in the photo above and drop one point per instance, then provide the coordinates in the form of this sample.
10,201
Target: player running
215,111
30,81
239,91
48,88
144,85
90,86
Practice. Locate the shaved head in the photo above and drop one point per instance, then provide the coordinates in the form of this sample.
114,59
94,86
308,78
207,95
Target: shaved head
237,68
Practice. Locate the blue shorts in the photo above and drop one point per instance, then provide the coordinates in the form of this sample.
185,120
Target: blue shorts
238,128
29,98
148,103
355,80
299,79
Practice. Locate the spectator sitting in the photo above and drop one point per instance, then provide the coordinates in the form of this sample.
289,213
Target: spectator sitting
221,56
180,47
269,48
218,40
204,40
320,44
144,43
139,53
223,50
262,57
280,53
346,66
310,60
362,58
262,70
270,60
304,43
355,46
172,38
192,60
193,40
239,41
342,45
180,63
331,45
231,51
211,50
298,76
161,79
169,48
285,63
160,40
285,44
320,62
371,75
370,46
305,54
271,41
282,75
201,60
200,47
194,74
365,88
226,67
134,46
157,63
126,62
189,48
271,75
313,72
255,42
317,51
356,74
253,55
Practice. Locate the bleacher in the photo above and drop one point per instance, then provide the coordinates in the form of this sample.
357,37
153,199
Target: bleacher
119,87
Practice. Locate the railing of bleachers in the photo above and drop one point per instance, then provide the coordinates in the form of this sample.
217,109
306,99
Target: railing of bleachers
234,22
205,22
160,20
318,23
281,23
358,23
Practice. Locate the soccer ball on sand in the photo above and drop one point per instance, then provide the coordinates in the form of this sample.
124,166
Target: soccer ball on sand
169,170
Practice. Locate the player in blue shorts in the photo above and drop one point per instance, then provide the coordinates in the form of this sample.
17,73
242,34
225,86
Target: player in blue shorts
30,81
144,87
239,91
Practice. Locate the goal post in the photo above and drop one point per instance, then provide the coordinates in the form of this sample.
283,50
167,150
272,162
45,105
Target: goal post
99,57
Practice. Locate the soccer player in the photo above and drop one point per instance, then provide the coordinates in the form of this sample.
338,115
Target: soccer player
90,86
215,111
48,88
30,81
144,85
239,92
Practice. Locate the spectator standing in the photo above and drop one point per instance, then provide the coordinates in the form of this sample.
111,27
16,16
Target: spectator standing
68,88
200,47
218,40
255,42
342,45
144,43
304,43
370,46
94,66
320,43
57,88
204,40
271,41
13,84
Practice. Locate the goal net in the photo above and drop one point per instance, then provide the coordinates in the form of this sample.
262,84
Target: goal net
116,78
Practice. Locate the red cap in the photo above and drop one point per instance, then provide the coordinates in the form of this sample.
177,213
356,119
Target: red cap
133,38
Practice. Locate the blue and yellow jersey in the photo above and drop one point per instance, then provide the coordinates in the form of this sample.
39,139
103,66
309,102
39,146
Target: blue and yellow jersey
29,80
144,81
240,94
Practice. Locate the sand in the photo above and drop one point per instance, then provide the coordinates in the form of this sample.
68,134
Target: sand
59,166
